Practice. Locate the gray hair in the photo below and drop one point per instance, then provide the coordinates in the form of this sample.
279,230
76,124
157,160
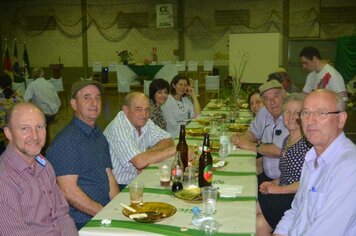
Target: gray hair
37,73
340,104
293,97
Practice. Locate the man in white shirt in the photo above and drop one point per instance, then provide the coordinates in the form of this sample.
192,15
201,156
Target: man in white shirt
325,201
267,131
322,75
42,93
135,141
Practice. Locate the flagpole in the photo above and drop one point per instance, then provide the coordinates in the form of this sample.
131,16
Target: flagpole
84,38
1,53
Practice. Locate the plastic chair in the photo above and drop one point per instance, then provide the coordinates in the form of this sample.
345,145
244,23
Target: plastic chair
212,86
19,87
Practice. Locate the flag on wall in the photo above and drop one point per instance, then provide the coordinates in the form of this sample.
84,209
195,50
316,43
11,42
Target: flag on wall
16,67
7,63
26,63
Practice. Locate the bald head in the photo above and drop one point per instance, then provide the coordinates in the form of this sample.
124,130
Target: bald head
333,99
134,96
26,130
19,109
137,109
323,118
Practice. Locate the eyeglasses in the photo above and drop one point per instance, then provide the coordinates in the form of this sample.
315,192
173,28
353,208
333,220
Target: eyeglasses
317,114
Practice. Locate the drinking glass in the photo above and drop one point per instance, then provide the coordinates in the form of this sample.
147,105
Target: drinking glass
136,193
209,200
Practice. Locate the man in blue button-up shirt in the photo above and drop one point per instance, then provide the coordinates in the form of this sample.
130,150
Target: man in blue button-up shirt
325,201
81,158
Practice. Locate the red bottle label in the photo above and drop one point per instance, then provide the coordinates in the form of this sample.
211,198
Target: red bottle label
208,174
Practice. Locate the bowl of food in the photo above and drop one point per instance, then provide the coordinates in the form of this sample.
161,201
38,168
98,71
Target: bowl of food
237,127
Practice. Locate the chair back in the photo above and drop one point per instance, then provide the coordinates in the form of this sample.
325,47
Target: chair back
19,87
57,84
212,82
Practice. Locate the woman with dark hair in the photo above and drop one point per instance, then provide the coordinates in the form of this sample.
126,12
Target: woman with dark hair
8,98
182,104
158,93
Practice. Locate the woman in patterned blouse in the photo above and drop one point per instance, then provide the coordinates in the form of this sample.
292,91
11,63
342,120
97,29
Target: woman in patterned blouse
276,196
158,93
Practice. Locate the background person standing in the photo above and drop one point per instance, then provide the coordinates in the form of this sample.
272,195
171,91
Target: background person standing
322,75
44,95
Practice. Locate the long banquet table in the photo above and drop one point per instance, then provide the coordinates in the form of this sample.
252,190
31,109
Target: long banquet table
235,215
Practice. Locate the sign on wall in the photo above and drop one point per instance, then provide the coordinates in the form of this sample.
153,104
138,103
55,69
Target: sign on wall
164,14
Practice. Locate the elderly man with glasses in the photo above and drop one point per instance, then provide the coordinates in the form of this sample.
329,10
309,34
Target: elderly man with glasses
325,201
267,131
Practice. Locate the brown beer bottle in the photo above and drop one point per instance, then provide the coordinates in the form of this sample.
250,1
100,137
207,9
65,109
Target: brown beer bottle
205,164
182,147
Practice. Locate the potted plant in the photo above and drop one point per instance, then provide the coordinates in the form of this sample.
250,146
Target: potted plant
125,56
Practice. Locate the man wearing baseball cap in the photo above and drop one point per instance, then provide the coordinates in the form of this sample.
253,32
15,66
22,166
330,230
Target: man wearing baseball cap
267,131
81,158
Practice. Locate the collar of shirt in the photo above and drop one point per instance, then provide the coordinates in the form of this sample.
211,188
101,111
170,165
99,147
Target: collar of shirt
327,157
88,130
17,163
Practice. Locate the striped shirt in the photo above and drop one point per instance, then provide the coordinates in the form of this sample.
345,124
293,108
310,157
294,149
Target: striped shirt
176,113
125,143
31,202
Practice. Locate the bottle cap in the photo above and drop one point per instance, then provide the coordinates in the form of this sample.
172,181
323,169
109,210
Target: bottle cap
196,210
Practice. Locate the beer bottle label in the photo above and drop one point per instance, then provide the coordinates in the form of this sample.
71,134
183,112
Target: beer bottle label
208,174
206,149
177,172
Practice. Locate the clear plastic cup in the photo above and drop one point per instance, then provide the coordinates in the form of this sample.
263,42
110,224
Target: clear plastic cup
210,195
136,193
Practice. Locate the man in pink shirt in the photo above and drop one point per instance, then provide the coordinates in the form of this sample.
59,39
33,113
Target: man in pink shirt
30,200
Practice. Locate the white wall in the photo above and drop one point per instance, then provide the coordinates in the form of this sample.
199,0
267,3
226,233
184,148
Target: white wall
264,51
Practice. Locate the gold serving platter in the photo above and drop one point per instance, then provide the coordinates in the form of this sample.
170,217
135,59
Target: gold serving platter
197,131
203,121
217,115
243,105
244,120
156,211
237,127
214,106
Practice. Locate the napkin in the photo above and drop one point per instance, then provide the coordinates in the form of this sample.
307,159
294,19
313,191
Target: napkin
227,190
219,164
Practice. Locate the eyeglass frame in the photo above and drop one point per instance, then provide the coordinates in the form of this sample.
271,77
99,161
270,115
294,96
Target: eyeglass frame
318,114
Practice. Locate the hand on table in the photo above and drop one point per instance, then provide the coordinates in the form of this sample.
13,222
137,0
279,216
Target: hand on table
242,143
269,187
